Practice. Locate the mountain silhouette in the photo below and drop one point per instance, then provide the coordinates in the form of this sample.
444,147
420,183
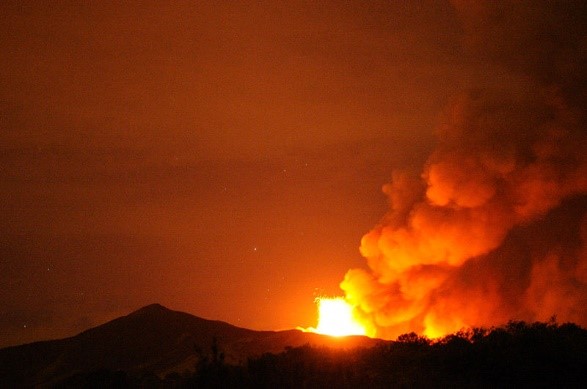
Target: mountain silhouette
154,340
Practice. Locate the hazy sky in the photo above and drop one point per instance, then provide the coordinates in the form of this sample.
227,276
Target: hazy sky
223,158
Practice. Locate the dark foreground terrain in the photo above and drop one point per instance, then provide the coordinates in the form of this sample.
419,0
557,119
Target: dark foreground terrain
155,347
151,342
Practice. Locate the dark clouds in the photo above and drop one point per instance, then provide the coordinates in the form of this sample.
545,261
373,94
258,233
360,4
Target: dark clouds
221,80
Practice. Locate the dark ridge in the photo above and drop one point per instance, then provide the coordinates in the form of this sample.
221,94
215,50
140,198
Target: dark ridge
153,340
151,308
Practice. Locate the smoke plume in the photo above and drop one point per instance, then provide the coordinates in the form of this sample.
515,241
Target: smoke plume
495,226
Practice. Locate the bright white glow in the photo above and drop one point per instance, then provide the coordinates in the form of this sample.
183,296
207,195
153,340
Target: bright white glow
335,318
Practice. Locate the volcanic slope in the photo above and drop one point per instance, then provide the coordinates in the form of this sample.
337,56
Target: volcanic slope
153,339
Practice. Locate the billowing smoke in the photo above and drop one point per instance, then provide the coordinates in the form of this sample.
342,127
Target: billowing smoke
495,227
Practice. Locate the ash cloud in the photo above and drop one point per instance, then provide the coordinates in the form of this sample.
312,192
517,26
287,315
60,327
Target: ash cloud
464,242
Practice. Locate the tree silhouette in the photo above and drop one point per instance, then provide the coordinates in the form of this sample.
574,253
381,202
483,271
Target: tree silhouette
517,354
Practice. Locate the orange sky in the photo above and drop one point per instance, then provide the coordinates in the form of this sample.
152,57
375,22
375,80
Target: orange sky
221,159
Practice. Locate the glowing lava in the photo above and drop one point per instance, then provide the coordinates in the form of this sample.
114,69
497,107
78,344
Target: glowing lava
336,318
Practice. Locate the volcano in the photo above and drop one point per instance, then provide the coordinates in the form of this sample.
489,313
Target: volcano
151,340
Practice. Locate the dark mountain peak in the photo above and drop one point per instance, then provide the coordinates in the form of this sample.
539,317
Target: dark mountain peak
151,339
151,309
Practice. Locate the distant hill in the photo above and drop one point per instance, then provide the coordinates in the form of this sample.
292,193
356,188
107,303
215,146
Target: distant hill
153,339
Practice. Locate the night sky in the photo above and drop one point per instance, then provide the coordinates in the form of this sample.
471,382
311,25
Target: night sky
226,158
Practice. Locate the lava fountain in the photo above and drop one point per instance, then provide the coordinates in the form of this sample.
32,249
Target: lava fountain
336,317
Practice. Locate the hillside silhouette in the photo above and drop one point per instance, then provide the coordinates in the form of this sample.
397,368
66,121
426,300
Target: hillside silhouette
153,340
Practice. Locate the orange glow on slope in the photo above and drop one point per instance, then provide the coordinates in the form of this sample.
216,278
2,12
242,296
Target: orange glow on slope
336,318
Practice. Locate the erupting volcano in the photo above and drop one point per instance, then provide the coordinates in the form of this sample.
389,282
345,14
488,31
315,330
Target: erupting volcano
226,159
493,228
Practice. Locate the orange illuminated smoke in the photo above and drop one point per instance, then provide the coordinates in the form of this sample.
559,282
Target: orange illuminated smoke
336,318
